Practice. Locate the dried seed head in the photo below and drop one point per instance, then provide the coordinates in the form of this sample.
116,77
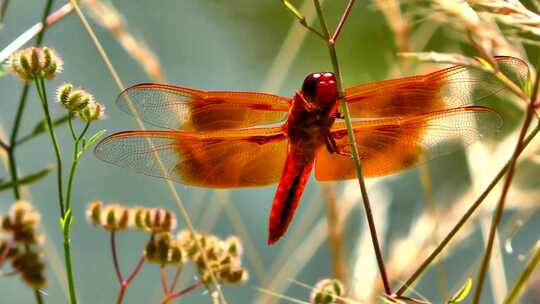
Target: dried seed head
138,214
115,217
159,220
93,212
92,111
73,100
30,266
223,257
327,291
35,62
163,250
23,223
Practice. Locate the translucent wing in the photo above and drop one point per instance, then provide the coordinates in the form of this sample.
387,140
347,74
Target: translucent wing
246,158
453,87
179,108
390,145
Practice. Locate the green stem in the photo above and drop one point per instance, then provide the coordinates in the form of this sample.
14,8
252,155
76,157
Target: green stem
515,293
331,43
40,85
13,142
67,260
506,187
75,162
39,298
65,220
463,219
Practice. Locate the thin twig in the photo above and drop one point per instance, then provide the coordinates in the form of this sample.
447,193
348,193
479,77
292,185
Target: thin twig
139,122
115,258
506,187
183,291
352,140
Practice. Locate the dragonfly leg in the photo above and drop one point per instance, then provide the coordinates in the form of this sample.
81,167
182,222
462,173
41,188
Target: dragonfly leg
338,115
307,105
333,147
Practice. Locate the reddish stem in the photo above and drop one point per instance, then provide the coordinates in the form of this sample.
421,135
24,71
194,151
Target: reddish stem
115,258
5,253
182,292
344,17
175,279
123,283
164,280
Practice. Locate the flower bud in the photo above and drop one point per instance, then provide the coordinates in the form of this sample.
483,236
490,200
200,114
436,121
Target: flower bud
31,63
327,291
93,212
92,111
115,218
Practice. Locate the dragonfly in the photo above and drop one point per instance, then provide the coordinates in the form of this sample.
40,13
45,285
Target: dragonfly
232,139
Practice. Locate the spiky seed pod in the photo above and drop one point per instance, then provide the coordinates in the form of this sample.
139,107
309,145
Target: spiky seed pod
138,214
160,250
115,217
23,223
74,100
31,63
92,111
234,246
159,220
94,212
327,291
30,266
234,275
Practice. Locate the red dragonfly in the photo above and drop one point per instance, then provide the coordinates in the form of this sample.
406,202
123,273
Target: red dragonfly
227,139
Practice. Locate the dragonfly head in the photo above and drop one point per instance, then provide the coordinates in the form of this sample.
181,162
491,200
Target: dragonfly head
320,88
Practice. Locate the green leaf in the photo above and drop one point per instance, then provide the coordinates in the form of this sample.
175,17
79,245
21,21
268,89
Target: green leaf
92,139
462,293
26,180
41,127
66,221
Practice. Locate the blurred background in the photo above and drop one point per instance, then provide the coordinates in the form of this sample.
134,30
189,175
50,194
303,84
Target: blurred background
258,46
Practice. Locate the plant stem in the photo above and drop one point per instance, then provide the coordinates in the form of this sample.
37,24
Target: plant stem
75,162
40,85
66,220
463,219
182,292
124,283
515,293
506,187
335,234
331,43
37,295
13,141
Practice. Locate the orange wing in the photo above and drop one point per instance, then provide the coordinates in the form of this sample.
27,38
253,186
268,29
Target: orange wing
389,145
453,87
179,108
243,158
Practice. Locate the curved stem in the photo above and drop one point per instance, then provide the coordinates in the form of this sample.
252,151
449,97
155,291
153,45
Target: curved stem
331,42
115,258
40,85
37,295
75,162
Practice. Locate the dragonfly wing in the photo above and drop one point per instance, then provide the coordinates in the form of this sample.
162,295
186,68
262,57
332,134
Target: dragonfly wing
178,108
387,146
246,158
453,87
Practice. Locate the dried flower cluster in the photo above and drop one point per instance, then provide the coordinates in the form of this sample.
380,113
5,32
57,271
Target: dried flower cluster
20,229
35,62
327,291
79,102
224,256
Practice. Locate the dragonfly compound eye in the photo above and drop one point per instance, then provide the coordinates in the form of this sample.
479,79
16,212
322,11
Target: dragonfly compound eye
317,85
